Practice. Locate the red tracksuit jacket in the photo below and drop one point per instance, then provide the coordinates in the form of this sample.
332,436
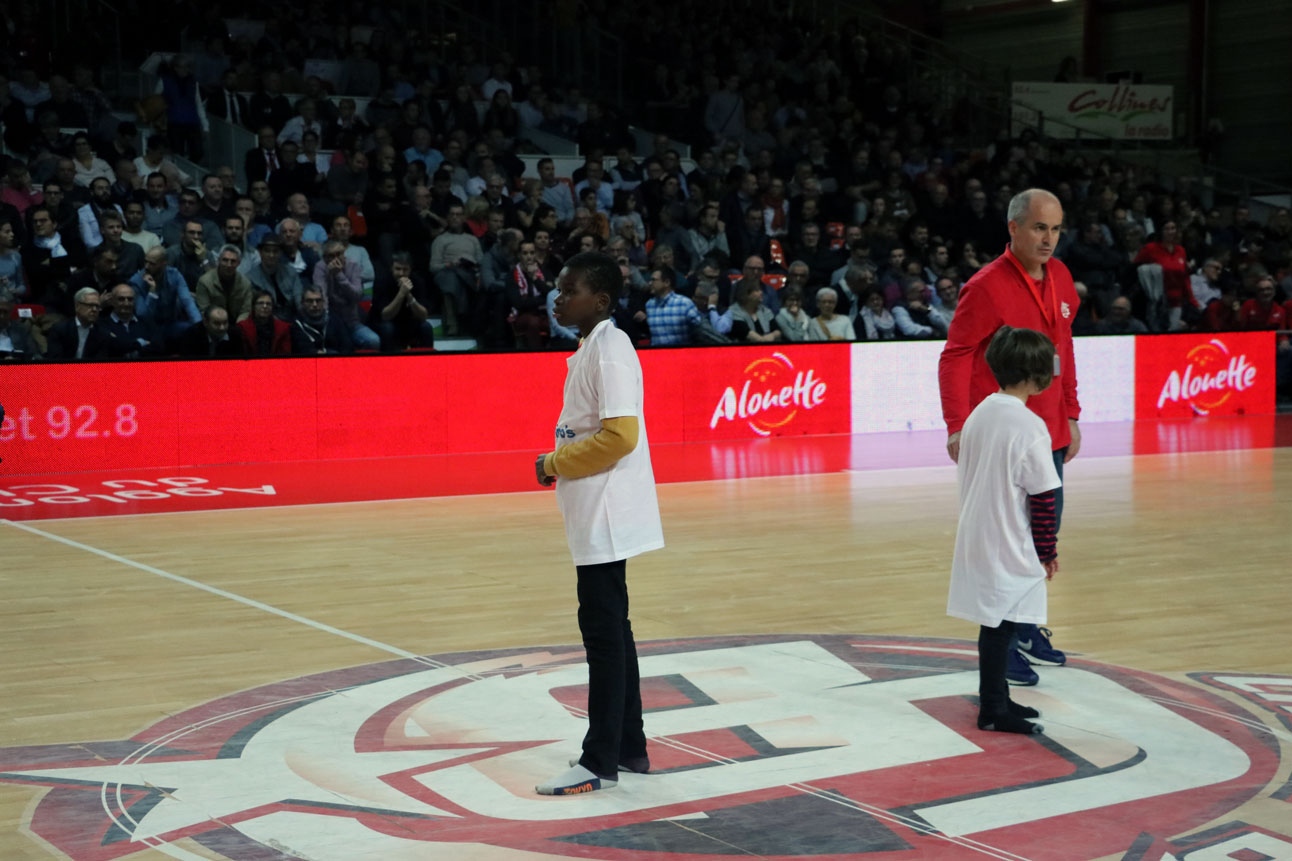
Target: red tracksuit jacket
1002,294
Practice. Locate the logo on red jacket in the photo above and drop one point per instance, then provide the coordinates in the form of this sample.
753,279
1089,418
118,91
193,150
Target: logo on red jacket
1211,376
771,396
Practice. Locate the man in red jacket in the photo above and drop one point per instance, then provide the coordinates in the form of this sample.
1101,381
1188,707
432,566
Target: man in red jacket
1023,288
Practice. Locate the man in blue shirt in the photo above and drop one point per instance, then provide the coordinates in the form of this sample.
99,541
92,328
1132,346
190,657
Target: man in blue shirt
669,315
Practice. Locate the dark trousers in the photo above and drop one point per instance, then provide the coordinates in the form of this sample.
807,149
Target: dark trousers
1025,629
614,686
993,655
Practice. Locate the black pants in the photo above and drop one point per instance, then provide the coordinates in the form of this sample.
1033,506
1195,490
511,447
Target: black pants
993,657
614,686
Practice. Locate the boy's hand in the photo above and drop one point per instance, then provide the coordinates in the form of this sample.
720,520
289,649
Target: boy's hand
541,474
1051,568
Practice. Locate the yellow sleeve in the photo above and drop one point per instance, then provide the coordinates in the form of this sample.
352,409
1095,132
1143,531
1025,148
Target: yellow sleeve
616,439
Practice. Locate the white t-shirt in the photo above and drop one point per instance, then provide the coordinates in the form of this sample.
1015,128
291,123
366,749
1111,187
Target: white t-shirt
613,514
1005,455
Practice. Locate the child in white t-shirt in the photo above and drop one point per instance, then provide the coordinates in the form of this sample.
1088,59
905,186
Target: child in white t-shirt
1006,546
606,491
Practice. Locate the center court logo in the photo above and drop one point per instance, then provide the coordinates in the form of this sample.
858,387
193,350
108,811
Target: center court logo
1210,377
838,747
771,395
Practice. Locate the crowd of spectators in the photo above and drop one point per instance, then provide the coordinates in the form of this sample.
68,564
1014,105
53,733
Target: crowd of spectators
824,199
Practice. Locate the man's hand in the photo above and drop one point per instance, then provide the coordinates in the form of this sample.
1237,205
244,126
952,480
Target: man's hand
336,264
541,474
150,282
953,447
1075,445
1051,568
405,286
199,249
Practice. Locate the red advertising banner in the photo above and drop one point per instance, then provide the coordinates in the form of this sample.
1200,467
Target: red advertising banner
80,418
748,392
1226,373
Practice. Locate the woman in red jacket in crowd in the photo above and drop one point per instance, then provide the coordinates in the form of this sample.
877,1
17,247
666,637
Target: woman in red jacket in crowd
1166,252
265,334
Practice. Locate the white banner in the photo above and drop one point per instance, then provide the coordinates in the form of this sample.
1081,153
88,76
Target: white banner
1127,111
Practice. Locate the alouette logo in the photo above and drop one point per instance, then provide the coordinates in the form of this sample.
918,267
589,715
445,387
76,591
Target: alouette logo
1211,376
771,396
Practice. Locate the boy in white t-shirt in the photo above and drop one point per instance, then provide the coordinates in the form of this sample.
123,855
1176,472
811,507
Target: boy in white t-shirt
606,491
1006,546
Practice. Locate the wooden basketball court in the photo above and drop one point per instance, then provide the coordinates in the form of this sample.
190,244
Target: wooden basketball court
1172,563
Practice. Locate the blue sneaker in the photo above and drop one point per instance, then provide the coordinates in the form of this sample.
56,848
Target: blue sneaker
1018,671
1034,643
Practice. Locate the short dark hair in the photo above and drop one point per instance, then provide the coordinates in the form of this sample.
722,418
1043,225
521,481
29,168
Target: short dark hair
1018,355
667,275
599,271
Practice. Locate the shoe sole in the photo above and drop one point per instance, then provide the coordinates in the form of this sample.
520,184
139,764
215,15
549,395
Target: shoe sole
1026,683
1042,662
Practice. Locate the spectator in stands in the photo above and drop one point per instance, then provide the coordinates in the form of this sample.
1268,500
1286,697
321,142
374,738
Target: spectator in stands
122,145
214,207
1096,263
16,341
816,254
191,257
88,165
126,336
212,337
128,185
1119,321
18,191
527,290
296,254
751,320
342,231
946,295
268,106
1205,284
1166,252
264,333
347,125
312,234
88,215
594,179
225,287
190,210
670,316
164,301
69,113
724,116
914,316
135,231
341,281
28,89
315,331
792,320
1262,312
160,207
708,238
271,275
875,319
502,116
400,309
305,120
235,234
130,257
261,163
11,274
156,160
80,336
49,257
982,226
227,103
256,225
490,311
556,194
186,121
